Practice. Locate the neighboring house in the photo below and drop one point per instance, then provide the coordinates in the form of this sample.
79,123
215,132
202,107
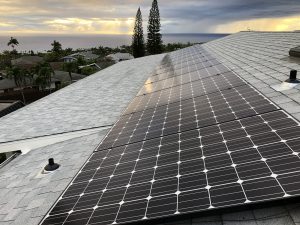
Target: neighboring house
27,61
94,65
87,55
118,57
69,58
209,139
63,76
7,85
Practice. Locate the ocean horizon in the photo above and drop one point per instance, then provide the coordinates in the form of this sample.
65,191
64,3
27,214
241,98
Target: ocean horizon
42,43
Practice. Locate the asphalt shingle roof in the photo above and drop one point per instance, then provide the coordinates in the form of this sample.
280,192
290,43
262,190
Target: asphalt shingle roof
260,58
25,194
98,100
95,101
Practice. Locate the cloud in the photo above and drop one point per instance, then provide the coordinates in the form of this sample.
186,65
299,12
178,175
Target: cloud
116,16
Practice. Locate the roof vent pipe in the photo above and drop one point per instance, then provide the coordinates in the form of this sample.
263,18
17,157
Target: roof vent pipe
293,77
51,165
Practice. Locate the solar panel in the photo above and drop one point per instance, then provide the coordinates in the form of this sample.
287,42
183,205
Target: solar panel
196,137
189,76
235,103
193,67
197,88
237,162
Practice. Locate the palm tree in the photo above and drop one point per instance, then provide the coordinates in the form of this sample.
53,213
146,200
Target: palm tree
56,46
19,76
43,73
70,67
13,42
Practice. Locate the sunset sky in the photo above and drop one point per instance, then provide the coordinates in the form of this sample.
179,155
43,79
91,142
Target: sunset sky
117,16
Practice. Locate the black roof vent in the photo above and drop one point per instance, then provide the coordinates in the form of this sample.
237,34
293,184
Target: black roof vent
293,77
51,165
295,52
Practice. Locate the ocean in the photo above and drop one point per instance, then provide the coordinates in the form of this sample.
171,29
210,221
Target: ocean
43,43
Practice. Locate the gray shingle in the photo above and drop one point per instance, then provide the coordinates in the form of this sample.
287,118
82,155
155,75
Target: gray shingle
45,190
258,58
95,101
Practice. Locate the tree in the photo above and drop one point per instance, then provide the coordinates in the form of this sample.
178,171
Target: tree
19,76
44,73
154,41
70,67
138,45
81,61
56,47
5,59
13,42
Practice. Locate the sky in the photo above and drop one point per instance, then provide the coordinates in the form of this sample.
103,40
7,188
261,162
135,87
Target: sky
31,17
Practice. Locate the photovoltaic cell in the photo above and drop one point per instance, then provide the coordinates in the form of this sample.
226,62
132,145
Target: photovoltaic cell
192,73
185,91
195,138
187,114
178,173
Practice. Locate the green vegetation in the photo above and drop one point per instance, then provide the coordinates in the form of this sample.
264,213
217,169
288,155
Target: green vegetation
55,53
88,70
138,45
56,47
175,46
154,40
39,75
13,42
19,76
43,73
5,60
70,67
102,51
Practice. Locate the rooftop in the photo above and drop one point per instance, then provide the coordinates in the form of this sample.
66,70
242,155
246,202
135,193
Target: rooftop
86,54
63,76
27,61
260,58
76,124
68,124
6,83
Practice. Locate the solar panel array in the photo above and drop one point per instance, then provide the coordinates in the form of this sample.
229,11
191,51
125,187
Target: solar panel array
196,137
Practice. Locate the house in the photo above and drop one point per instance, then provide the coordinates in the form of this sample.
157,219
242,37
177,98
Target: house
27,61
115,137
94,65
69,58
7,84
86,55
118,57
89,69
63,76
